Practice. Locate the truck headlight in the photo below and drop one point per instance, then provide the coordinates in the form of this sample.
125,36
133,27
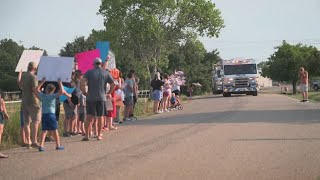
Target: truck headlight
228,81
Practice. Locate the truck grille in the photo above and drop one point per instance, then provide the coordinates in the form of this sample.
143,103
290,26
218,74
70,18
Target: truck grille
241,82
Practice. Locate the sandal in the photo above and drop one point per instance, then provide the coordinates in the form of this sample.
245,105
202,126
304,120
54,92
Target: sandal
113,128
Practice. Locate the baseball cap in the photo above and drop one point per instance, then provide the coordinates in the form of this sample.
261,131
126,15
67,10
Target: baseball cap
97,61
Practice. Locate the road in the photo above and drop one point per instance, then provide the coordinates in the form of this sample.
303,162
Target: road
241,137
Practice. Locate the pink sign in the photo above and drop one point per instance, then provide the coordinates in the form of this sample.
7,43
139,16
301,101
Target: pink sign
85,59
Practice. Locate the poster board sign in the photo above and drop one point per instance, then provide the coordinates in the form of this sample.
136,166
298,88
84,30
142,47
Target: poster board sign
103,46
85,59
111,61
53,68
68,90
28,56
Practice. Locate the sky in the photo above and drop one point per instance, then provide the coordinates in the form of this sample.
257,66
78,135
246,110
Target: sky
252,27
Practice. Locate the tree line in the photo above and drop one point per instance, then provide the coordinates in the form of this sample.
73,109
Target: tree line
148,36
284,64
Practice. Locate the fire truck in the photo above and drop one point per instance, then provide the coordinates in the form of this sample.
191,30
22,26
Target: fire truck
239,77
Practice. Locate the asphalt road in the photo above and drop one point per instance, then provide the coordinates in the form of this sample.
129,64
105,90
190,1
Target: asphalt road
242,137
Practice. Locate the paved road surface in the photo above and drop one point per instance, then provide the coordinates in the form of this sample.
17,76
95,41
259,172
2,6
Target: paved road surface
243,137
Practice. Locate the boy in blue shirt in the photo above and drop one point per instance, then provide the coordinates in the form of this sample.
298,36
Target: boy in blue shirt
49,120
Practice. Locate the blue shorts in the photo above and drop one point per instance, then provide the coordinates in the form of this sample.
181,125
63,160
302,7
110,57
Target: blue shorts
49,122
156,95
21,119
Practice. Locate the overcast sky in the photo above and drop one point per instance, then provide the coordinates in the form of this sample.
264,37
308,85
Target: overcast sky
253,27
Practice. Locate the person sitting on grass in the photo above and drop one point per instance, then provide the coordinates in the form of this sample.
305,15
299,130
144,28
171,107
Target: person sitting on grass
3,116
49,121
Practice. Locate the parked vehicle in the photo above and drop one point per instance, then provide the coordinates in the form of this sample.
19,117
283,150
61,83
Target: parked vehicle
315,85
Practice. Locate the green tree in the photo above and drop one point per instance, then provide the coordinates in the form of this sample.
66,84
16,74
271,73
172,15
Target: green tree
79,44
10,52
284,64
195,61
149,31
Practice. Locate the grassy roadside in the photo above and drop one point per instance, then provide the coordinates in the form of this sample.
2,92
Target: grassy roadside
314,96
11,133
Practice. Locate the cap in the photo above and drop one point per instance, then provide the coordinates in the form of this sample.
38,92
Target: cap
97,61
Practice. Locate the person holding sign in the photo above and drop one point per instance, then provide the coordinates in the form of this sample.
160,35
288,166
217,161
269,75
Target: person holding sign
49,120
30,104
96,79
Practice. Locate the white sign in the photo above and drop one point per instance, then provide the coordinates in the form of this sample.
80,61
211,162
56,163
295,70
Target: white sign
53,68
111,60
28,56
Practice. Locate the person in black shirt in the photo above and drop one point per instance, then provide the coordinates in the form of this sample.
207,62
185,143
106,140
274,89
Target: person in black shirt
156,94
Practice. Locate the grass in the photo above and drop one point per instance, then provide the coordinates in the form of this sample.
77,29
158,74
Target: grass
314,96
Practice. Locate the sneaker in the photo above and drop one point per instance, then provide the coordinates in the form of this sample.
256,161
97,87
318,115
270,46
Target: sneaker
29,146
59,148
85,139
303,100
48,139
41,149
36,145
306,100
167,110
3,155
73,134
66,134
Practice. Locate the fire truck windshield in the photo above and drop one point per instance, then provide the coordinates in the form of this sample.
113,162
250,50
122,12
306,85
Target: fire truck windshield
240,69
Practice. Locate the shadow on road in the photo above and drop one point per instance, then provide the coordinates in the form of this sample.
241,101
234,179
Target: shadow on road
265,116
216,96
278,139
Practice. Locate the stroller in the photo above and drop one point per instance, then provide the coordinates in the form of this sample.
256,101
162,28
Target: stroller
175,104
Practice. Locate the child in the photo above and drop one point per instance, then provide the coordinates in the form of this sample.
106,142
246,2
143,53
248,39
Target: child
82,113
49,121
174,101
3,116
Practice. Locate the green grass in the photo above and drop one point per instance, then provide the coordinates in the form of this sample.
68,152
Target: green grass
314,96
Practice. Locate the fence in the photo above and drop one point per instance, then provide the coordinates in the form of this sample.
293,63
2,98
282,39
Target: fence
12,96
144,94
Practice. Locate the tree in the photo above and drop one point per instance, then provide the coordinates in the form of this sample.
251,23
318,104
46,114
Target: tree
45,53
193,59
284,64
10,52
148,31
79,44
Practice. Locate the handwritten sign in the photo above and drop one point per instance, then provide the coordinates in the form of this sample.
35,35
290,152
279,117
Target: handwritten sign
28,56
103,47
53,68
85,59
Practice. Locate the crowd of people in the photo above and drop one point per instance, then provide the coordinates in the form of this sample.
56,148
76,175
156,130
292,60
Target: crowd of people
165,93
93,106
